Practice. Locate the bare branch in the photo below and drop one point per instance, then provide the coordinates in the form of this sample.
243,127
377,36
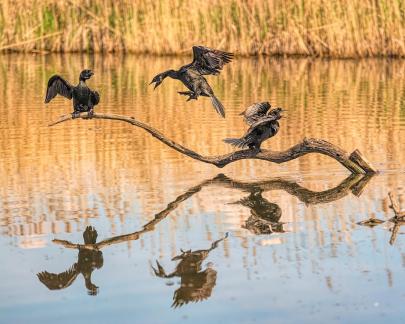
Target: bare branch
354,163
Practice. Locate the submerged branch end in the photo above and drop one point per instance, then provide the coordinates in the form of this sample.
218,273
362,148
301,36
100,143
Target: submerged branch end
355,162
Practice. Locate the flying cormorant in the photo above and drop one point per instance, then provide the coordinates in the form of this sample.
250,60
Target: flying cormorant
206,61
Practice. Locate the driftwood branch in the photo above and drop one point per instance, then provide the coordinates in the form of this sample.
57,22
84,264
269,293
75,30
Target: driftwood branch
399,214
354,162
353,183
398,220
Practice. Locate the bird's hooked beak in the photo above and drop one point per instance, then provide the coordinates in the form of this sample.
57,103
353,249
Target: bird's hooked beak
181,256
157,80
91,73
157,83
277,113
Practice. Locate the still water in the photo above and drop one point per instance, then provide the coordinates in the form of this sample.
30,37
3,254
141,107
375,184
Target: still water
182,241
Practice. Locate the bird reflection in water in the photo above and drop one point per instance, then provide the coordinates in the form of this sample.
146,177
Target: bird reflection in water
87,261
264,215
196,284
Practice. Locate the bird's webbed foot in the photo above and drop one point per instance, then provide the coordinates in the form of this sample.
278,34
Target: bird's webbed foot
185,93
75,114
255,149
90,114
195,97
190,94
92,289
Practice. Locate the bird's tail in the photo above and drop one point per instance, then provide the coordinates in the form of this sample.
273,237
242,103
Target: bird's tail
218,106
247,202
238,142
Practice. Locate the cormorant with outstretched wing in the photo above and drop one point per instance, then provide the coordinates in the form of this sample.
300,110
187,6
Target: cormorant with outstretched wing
196,284
260,131
88,261
84,99
206,61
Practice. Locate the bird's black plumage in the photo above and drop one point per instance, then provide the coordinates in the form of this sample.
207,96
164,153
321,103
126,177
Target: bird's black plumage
196,284
264,215
88,261
261,130
206,61
84,99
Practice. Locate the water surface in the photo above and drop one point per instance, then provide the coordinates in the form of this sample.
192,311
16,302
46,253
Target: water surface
294,252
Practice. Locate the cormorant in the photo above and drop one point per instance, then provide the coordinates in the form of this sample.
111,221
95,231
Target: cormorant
206,61
261,130
255,112
84,99
88,261
264,215
196,285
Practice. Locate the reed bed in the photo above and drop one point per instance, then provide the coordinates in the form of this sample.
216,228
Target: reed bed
332,28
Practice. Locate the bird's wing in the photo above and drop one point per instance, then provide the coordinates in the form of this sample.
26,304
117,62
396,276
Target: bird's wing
260,108
255,112
209,61
250,120
262,121
58,85
199,289
95,97
249,201
256,130
58,281
248,138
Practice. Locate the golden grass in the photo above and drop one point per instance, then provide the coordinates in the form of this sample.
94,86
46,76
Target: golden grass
335,28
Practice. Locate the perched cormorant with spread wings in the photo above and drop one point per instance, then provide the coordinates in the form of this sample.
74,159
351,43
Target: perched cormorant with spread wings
261,130
196,284
88,261
206,61
84,99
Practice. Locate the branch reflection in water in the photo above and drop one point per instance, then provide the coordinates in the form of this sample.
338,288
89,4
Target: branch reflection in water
264,219
397,221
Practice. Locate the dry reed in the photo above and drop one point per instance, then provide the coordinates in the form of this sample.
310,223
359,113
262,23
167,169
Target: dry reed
334,28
